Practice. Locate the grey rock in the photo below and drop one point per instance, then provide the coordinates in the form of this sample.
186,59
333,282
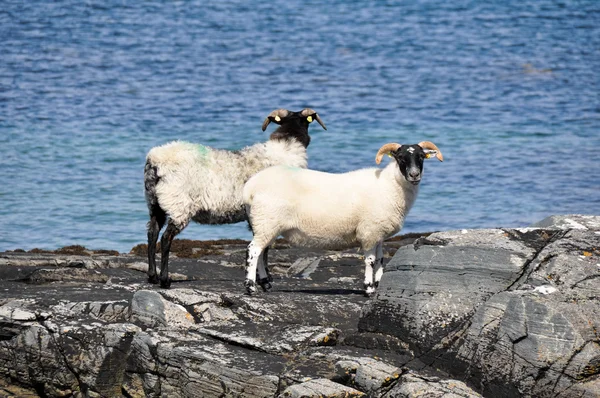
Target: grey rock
204,337
432,288
16,311
368,374
571,221
108,311
320,388
413,385
303,267
514,311
77,275
509,312
150,309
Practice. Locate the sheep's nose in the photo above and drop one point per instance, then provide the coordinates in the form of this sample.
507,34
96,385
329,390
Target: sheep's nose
414,174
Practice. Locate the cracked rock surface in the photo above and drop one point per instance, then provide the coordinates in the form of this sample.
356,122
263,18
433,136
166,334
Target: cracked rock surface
513,312
502,312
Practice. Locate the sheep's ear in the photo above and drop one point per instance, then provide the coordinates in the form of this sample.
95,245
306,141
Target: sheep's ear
386,150
429,146
430,153
311,115
275,117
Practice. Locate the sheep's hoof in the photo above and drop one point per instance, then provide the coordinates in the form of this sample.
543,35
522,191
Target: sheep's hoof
369,289
267,278
265,283
153,279
165,284
250,286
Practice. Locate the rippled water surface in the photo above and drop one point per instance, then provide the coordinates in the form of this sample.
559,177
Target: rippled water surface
509,91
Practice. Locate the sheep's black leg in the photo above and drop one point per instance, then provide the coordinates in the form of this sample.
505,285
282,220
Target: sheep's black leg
157,221
165,246
153,230
378,268
265,282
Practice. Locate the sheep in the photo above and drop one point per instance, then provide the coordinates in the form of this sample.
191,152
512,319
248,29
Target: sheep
186,181
333,211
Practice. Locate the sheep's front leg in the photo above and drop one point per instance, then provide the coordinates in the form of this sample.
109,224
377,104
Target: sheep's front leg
153,230
165,246
370,260
253,256
264,276
378,264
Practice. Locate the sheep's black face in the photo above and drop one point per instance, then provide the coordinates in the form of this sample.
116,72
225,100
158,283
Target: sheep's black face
294,120
410,161
293,125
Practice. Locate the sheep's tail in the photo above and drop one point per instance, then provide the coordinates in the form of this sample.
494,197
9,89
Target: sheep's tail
151,178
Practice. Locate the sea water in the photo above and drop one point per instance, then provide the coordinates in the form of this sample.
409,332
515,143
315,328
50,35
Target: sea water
508,90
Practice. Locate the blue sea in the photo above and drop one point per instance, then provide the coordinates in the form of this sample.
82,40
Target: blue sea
508,90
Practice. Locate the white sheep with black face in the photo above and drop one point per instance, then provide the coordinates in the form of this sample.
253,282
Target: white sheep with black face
334,211
186,181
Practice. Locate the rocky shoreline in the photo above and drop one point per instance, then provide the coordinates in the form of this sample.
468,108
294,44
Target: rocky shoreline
468,313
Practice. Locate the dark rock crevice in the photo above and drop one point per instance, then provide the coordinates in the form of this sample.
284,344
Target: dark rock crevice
539,247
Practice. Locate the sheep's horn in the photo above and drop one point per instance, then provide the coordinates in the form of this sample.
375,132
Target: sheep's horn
431,145
311,112
387,148
276,113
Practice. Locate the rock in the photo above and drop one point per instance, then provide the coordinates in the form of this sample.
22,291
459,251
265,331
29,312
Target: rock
512,310
72,275
108,311
150,309
320,388
572,221
303,267
412,385
508,312
14,312
433,287
368,374
203,337
61,260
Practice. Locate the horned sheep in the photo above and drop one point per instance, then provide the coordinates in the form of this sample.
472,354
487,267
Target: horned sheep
186,181
334,211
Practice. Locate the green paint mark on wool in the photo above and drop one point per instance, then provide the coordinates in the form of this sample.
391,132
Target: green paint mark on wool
203,150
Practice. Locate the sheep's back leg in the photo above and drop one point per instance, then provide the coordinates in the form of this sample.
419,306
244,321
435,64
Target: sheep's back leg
253,256
263,274
157,217
370,260
378,269
157,220
165,246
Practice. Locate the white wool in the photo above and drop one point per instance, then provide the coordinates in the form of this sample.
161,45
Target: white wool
312,208
194,178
